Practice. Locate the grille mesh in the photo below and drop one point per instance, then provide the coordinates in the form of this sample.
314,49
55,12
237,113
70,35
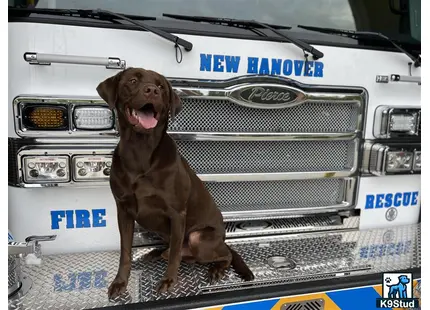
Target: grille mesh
264,195
267,156
215,115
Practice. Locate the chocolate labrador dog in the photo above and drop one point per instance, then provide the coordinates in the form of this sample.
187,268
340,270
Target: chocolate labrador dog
153,185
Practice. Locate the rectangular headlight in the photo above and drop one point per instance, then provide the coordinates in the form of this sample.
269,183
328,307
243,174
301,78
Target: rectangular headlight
397,161
45,169
396,122
417,161
92,168
380,159
93,118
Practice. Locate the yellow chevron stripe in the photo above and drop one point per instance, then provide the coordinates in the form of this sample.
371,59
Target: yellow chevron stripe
328,303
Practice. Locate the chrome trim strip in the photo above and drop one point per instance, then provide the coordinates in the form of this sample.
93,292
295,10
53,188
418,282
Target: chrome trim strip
105,149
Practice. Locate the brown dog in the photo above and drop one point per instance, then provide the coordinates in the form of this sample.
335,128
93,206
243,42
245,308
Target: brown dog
153,185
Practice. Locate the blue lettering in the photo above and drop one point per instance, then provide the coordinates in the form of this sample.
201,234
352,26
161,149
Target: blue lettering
380,250
388,200
100,279
56,217
276,66
298,67
318,71
287,67
391,248
253,65
364,252
232,63
379,199
397,199
264,66
82,219
205,62
69,219
406,199
98,220
414,199
80,281
369,201
218,66
61,285
84,280
308,68
372,251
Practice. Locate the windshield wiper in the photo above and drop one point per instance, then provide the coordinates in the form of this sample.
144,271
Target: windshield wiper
108,15
240,23
73,12
363,35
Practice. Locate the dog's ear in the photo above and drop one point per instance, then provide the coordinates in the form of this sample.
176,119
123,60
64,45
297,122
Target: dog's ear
175,103
108,90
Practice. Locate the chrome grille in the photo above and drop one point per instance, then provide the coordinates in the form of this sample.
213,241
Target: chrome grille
221,115
268,156
259,199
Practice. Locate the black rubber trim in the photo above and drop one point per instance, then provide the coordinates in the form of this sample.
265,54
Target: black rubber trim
220,31
216,299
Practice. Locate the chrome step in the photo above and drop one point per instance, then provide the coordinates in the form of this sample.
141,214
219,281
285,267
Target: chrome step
80,281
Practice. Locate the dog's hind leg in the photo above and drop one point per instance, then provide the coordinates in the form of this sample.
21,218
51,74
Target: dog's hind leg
208,246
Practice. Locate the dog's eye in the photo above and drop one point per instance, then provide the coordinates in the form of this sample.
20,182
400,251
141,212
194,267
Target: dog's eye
160,86
133,81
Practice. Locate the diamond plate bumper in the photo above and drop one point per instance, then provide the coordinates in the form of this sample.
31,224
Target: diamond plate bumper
80,281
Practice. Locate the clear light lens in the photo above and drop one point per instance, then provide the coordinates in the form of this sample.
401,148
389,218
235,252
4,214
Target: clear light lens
92,168
403,122
399,161
93,118
43,169
417,160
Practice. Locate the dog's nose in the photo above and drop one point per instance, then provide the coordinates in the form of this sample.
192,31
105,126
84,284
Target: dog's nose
151,90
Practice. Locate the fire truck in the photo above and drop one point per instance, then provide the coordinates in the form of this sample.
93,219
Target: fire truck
302,118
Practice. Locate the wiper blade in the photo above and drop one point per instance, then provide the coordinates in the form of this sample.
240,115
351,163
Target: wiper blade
362,35
108,15
240,23
73,12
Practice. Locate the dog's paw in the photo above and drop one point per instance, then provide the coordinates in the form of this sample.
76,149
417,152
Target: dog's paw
216,273
248,276
166,284
117,288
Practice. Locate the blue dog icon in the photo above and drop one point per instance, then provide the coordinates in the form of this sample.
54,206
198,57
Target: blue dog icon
399,290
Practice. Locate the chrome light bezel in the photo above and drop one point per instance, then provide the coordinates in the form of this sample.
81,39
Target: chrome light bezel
382,121
21,102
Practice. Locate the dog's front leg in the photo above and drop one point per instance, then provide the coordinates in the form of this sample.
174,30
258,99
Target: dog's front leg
177,231
126,229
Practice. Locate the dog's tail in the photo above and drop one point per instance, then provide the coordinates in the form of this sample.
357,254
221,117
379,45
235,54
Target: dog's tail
240,266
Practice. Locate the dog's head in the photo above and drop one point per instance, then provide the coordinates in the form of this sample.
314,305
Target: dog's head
143,99
404,279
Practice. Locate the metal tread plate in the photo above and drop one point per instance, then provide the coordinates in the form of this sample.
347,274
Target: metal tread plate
80,281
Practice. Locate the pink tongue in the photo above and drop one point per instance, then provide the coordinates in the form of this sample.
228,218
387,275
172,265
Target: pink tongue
147,119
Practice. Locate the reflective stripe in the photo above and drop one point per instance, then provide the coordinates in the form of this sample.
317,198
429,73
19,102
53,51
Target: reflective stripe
357,298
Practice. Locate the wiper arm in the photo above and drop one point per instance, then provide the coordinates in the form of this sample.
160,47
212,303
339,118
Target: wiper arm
108,15
240,23
360,35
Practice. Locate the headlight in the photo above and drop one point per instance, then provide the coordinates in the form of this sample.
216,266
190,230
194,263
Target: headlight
380,159
398,161
92,168
396,122
93,118
46,169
